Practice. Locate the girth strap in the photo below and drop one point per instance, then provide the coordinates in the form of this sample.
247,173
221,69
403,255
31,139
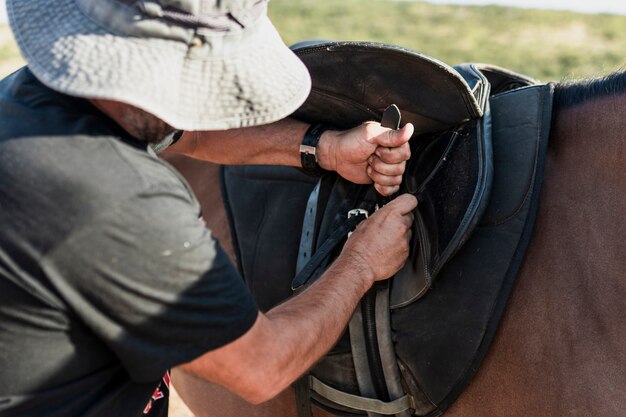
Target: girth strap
360,360
389,362
303,396
312,269
373,355
360,403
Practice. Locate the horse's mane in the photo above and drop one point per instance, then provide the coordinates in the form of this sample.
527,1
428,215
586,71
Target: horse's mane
570,93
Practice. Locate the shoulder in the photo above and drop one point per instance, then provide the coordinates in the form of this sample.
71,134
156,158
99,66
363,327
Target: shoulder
61,184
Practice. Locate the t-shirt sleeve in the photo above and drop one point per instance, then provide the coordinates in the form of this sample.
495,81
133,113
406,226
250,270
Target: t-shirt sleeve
148,278
168,141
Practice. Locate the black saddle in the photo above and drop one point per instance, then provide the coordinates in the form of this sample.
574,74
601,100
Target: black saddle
477,156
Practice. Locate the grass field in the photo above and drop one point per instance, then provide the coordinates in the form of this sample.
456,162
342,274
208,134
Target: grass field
550,45
10,58
545,44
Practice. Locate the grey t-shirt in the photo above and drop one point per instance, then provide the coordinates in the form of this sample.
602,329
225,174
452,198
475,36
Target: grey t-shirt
108,277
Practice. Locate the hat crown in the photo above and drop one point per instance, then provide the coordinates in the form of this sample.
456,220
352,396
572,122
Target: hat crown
201,7
202,13
187,6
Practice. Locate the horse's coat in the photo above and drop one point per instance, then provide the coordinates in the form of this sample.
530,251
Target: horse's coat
561,347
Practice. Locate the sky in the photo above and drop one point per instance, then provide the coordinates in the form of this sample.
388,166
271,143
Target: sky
586,6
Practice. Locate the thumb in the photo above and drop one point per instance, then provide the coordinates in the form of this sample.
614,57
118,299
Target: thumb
394,138
404,203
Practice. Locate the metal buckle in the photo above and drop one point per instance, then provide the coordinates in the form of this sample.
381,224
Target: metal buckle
357,212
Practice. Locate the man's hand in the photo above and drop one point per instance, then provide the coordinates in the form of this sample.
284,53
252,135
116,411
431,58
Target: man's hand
291,337
382,242
368,153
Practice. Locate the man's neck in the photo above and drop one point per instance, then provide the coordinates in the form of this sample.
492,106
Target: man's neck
138,123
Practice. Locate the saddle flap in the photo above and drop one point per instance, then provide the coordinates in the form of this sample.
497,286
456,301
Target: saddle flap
273,204
451,175
358,80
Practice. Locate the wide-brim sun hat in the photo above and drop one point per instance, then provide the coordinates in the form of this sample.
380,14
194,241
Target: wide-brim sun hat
195,64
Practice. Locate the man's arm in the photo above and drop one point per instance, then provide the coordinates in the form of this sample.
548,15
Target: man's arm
290,338
368,153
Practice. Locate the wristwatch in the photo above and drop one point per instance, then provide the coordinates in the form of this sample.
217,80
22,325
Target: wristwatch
308,148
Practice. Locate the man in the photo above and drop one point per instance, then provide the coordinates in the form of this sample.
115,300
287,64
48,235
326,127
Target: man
107,277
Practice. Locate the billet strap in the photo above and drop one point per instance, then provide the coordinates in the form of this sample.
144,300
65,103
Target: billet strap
359,403
301,387
305,250
311,269
359,355
385,352
303,396
389,362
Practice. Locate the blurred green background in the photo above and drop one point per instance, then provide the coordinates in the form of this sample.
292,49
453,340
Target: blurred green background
550,45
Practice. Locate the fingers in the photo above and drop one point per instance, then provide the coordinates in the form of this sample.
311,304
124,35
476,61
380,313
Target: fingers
386,168
384,184
394,138
383,241
386,177
389,161
387,189
381,179
394,155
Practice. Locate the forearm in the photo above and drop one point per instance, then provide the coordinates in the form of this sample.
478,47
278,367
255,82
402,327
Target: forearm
273,144
308,325
364,154
290,338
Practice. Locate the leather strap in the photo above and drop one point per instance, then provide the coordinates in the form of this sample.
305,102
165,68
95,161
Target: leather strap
359,355
363,359
303,397
389,362
305,250
311,270
308,150
360,403
391,119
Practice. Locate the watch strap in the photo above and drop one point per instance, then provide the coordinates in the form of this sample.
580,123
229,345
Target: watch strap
308,149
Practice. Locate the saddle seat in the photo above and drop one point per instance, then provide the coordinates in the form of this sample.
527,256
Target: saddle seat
408,351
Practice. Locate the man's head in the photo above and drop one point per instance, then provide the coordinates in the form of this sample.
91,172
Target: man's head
194,64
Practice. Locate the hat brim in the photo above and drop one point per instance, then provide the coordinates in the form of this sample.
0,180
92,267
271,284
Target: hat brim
256,82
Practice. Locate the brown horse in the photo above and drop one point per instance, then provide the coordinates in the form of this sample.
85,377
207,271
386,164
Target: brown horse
561,346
